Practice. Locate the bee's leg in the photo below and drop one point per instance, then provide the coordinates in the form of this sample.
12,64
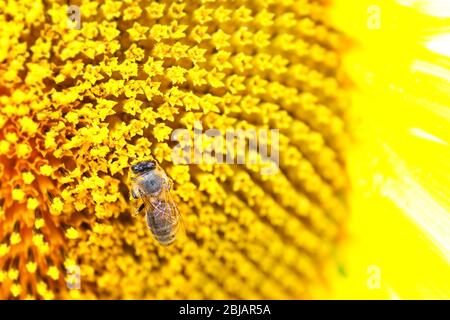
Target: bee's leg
140,209
134,194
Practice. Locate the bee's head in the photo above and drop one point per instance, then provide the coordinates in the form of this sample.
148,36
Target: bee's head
143,166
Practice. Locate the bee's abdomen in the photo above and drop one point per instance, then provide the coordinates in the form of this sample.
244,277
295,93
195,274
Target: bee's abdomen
163,231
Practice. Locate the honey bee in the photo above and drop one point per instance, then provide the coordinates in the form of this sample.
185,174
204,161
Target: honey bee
152,186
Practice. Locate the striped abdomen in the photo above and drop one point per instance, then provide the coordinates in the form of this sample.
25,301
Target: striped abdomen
164,228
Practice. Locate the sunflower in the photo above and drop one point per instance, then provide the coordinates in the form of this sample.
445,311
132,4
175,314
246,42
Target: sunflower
81,102
83,97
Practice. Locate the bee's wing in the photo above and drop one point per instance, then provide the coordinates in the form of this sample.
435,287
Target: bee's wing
175,213
170,202
162,204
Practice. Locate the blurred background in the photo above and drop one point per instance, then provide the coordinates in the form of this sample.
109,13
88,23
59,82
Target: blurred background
358,89
399,164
